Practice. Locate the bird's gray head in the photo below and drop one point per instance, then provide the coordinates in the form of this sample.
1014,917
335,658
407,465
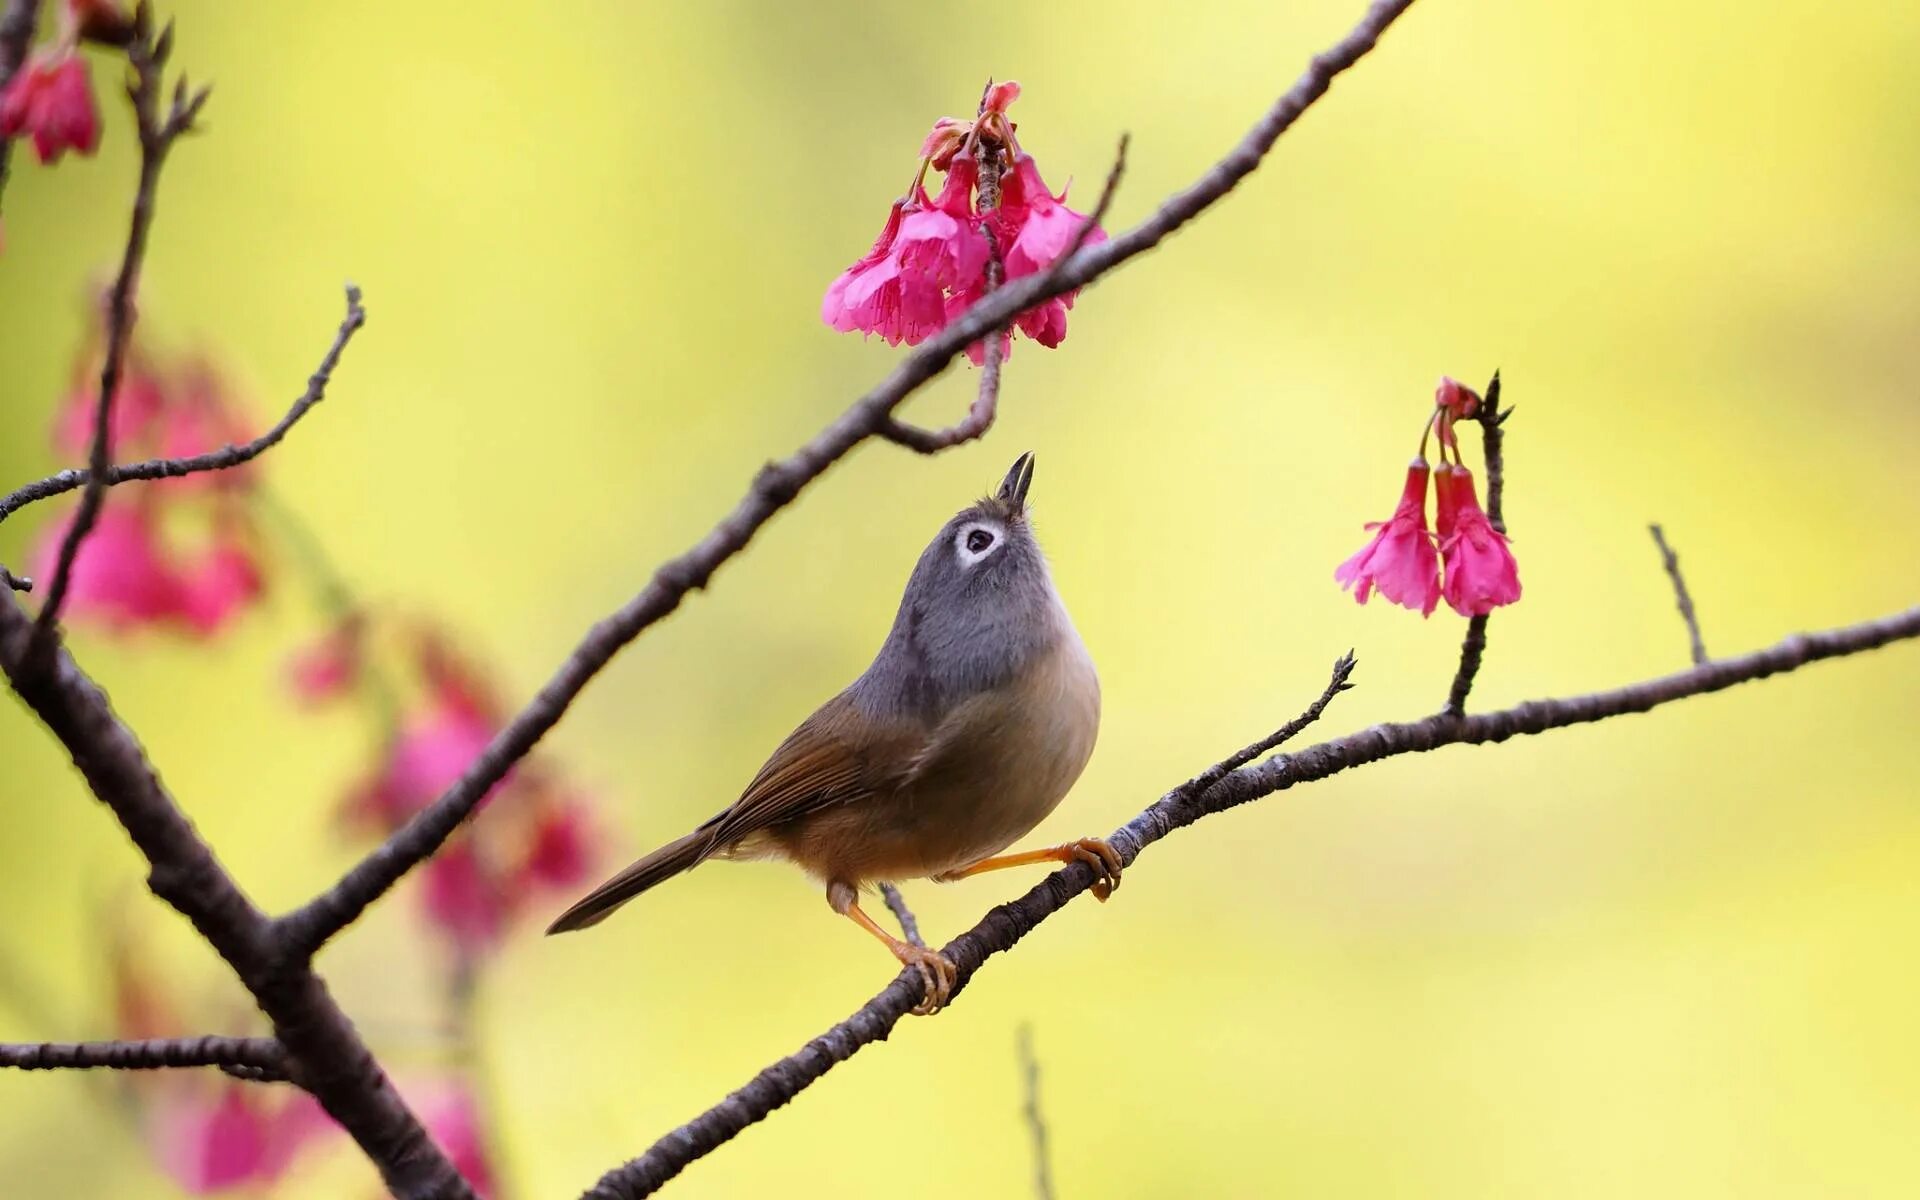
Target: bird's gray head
979,607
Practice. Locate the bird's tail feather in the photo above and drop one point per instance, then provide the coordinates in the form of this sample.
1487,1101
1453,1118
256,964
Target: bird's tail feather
663,864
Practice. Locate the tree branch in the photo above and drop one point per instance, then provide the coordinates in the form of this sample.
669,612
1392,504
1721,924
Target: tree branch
147,56
1004,925
1671,562
260,1059
331,1060
1475,643
1036,1119
778,484
909,928
222,459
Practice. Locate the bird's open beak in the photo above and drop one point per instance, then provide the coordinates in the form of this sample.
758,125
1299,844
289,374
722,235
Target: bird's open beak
1013,489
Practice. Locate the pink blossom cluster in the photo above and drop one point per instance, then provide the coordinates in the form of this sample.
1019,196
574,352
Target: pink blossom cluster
934,257
1464,559
50,98
178,554
531,834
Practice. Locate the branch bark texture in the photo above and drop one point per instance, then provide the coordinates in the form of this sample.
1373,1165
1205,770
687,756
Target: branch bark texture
1492,440
1681,597
258,1058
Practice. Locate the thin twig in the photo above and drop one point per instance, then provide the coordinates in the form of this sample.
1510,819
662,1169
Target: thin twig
777,484
16,33
1098,216
147,56
1474,645
1036,1119
222,459
1337,683
1682,598
15,583
1005,924
261,1059
909,927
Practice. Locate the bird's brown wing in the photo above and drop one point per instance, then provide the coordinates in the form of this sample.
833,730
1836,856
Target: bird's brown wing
836,756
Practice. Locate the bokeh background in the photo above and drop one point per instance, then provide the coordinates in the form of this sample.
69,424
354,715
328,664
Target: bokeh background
1667,956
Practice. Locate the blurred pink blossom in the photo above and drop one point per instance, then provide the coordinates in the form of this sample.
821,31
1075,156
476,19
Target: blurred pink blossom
51,99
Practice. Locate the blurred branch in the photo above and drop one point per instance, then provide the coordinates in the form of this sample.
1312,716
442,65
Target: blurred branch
1475,643
260,1059
1671,562
1005,924
909,928
778,484
216,460
326,1053
147,56
1036,1120
16,32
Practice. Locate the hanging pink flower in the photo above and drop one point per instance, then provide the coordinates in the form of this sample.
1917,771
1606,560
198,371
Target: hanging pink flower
211,1134
1043,227
560,856
930,262
1399,560
452,1116
431,751
463,899
1480,571
240,1136
877,295
530,834
219,585
200,416
939,243
51,98
138,402
330,665
122,577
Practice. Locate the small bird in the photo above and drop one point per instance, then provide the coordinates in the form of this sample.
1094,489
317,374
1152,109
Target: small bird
976,717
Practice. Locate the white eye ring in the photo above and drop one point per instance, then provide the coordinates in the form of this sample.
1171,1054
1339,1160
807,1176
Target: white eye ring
969,545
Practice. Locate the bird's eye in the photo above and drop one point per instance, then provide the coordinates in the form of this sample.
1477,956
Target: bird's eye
979,540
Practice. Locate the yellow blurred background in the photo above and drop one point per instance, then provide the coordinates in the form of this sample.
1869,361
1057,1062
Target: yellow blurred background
1668,956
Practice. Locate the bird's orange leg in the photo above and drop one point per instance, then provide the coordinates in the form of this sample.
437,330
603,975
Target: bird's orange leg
937,971
1095,852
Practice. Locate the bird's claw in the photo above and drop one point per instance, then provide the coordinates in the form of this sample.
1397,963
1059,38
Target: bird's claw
937,976
1105,861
